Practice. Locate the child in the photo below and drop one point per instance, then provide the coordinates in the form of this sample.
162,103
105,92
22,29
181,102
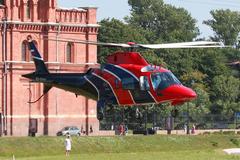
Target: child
68,145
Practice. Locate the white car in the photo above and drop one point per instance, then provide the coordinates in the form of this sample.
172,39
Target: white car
69,130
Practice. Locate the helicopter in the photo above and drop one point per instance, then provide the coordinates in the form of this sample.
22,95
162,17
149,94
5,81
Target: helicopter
127,79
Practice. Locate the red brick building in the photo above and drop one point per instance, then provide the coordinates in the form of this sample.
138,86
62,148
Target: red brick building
57,109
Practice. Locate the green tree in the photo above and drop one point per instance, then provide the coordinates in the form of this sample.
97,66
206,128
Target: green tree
199,107
225,95
213,62
194,79
225,88
179,61
152,58
162,22
226,25
115,31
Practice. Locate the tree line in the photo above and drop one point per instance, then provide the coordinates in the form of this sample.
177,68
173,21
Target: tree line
208,71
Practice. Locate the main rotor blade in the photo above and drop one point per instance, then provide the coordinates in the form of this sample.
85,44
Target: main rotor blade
175,47
196,44
91,42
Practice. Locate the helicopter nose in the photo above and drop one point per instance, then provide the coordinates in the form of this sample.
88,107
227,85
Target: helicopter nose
181,92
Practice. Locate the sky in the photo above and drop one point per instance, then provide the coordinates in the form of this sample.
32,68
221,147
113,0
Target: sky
199,9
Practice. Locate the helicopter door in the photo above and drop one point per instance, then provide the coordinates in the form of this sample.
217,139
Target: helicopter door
117,83
129,84
144,83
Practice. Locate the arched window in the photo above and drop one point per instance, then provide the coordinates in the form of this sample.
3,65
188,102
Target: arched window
24,51
69,56
26,55
28,9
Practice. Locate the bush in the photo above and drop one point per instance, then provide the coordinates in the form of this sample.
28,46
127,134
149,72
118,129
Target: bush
234,141
214,144
206,133
228,132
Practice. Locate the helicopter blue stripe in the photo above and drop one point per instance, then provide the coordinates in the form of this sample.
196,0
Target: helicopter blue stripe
34,50
104,89
120,72
93,86
138,95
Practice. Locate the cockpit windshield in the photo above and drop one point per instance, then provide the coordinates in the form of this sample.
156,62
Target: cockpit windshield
162,80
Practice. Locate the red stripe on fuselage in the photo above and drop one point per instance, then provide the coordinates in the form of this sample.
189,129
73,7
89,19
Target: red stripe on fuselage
124,96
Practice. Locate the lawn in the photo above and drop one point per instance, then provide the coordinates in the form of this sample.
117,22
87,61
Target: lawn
207,147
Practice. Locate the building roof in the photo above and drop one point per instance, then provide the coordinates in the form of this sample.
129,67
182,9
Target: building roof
71,9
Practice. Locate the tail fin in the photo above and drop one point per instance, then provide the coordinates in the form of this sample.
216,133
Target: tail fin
38,60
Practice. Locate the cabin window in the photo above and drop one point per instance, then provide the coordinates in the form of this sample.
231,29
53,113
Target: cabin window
144,83
129,84
69,56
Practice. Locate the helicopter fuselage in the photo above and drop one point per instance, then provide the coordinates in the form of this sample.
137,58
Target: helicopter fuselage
126,80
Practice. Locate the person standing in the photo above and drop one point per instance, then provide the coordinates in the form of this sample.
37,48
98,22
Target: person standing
193,129
185,128
121,129
68,145
126,130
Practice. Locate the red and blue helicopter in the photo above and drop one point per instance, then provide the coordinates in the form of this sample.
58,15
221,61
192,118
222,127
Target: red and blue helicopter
127,79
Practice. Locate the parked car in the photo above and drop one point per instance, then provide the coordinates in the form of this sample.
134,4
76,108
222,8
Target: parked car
71,130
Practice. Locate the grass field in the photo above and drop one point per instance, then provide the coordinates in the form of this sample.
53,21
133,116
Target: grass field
204,147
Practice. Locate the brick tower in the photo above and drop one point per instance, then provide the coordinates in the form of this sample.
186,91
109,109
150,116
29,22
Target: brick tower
57,109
